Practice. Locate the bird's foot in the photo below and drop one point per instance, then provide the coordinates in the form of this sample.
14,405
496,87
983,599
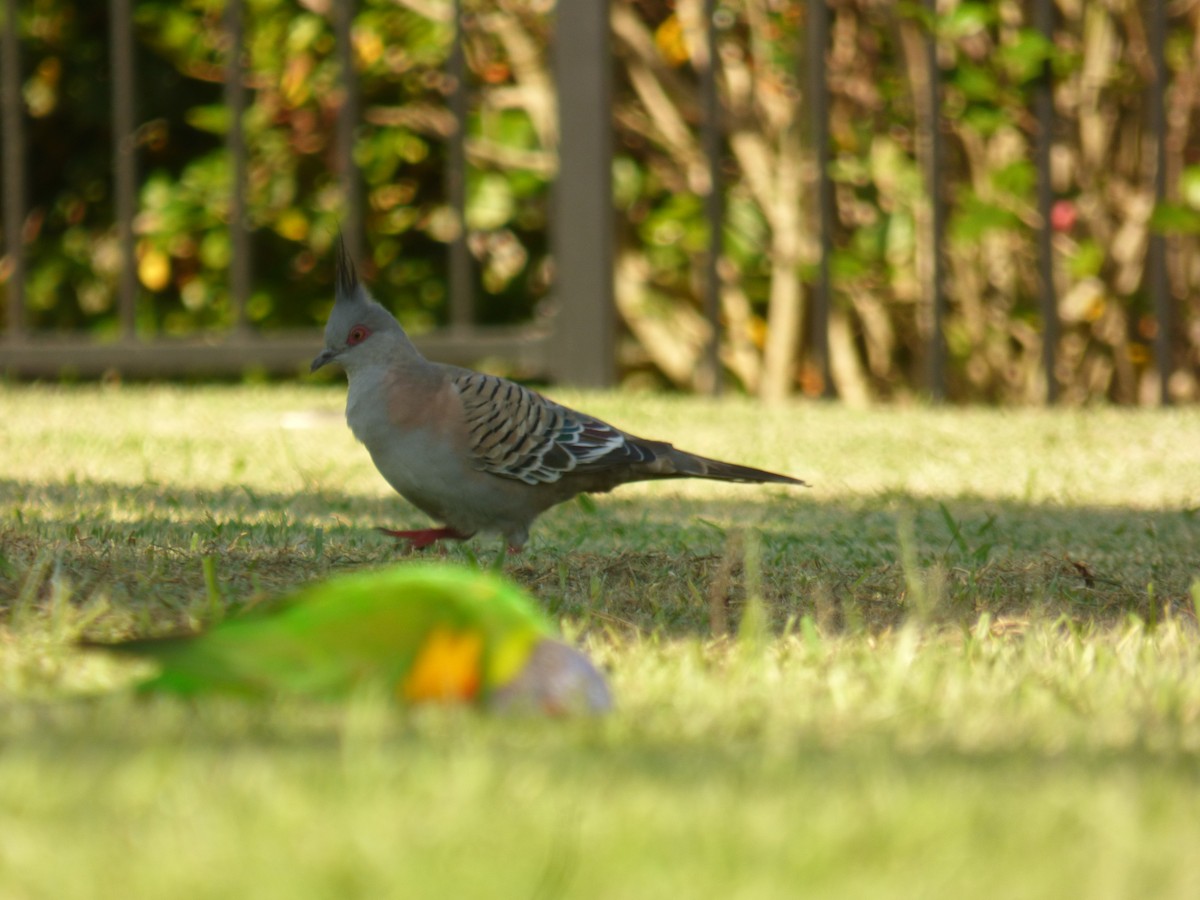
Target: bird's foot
425,537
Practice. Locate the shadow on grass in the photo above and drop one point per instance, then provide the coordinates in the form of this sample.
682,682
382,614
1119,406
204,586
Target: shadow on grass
661,562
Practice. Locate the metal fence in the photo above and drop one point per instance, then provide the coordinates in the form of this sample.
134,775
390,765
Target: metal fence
579,346
23,352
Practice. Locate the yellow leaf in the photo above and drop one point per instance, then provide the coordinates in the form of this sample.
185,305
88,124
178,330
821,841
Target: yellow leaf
154,269
669,39
367,45
296,81
757,327
1139,354
292,225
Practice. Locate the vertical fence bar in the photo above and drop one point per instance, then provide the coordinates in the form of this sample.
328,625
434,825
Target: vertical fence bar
1043,107
124,158
235,102
462,272
818,111
936,351
347,124
585,330
714,211
13,117
1156,255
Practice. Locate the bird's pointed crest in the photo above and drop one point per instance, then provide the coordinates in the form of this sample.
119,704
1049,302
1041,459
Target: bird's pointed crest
345,275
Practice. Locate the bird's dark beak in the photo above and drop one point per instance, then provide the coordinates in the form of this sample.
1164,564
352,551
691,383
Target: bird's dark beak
323,358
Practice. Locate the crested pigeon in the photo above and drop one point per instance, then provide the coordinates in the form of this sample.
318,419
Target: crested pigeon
475,452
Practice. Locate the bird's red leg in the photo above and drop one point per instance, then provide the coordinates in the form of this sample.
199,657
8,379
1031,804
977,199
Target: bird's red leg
425,537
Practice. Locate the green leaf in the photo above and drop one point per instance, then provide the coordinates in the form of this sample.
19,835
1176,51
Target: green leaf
967,19
1087,260
213,118
1189,186
976,82
915,11
490,203
1024,58
1174,218
1017,178
976,217
986,119
846,265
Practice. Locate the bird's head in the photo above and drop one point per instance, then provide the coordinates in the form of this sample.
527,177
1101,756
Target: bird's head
556,679
359,332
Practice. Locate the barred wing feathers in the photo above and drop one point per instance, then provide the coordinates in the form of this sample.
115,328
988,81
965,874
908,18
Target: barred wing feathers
516,433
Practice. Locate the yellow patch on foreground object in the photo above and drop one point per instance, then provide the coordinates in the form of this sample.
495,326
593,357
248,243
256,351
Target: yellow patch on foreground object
447,668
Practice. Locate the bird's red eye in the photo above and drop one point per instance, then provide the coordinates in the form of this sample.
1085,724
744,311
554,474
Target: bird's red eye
357,335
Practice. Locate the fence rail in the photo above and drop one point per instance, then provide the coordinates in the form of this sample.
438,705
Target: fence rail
579,344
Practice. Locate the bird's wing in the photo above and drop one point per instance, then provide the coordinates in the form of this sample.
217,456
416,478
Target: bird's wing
517,433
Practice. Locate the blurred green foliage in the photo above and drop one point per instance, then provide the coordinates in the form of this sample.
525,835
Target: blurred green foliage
295,201
990,62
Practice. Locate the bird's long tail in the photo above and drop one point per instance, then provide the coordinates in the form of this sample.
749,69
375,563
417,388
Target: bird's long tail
689,465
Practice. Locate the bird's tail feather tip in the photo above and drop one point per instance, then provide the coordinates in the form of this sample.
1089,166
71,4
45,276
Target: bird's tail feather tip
702,467
773,478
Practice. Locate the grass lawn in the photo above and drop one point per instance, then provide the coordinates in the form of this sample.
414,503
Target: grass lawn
963,664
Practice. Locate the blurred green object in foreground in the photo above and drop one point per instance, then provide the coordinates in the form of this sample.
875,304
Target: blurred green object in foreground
424,632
